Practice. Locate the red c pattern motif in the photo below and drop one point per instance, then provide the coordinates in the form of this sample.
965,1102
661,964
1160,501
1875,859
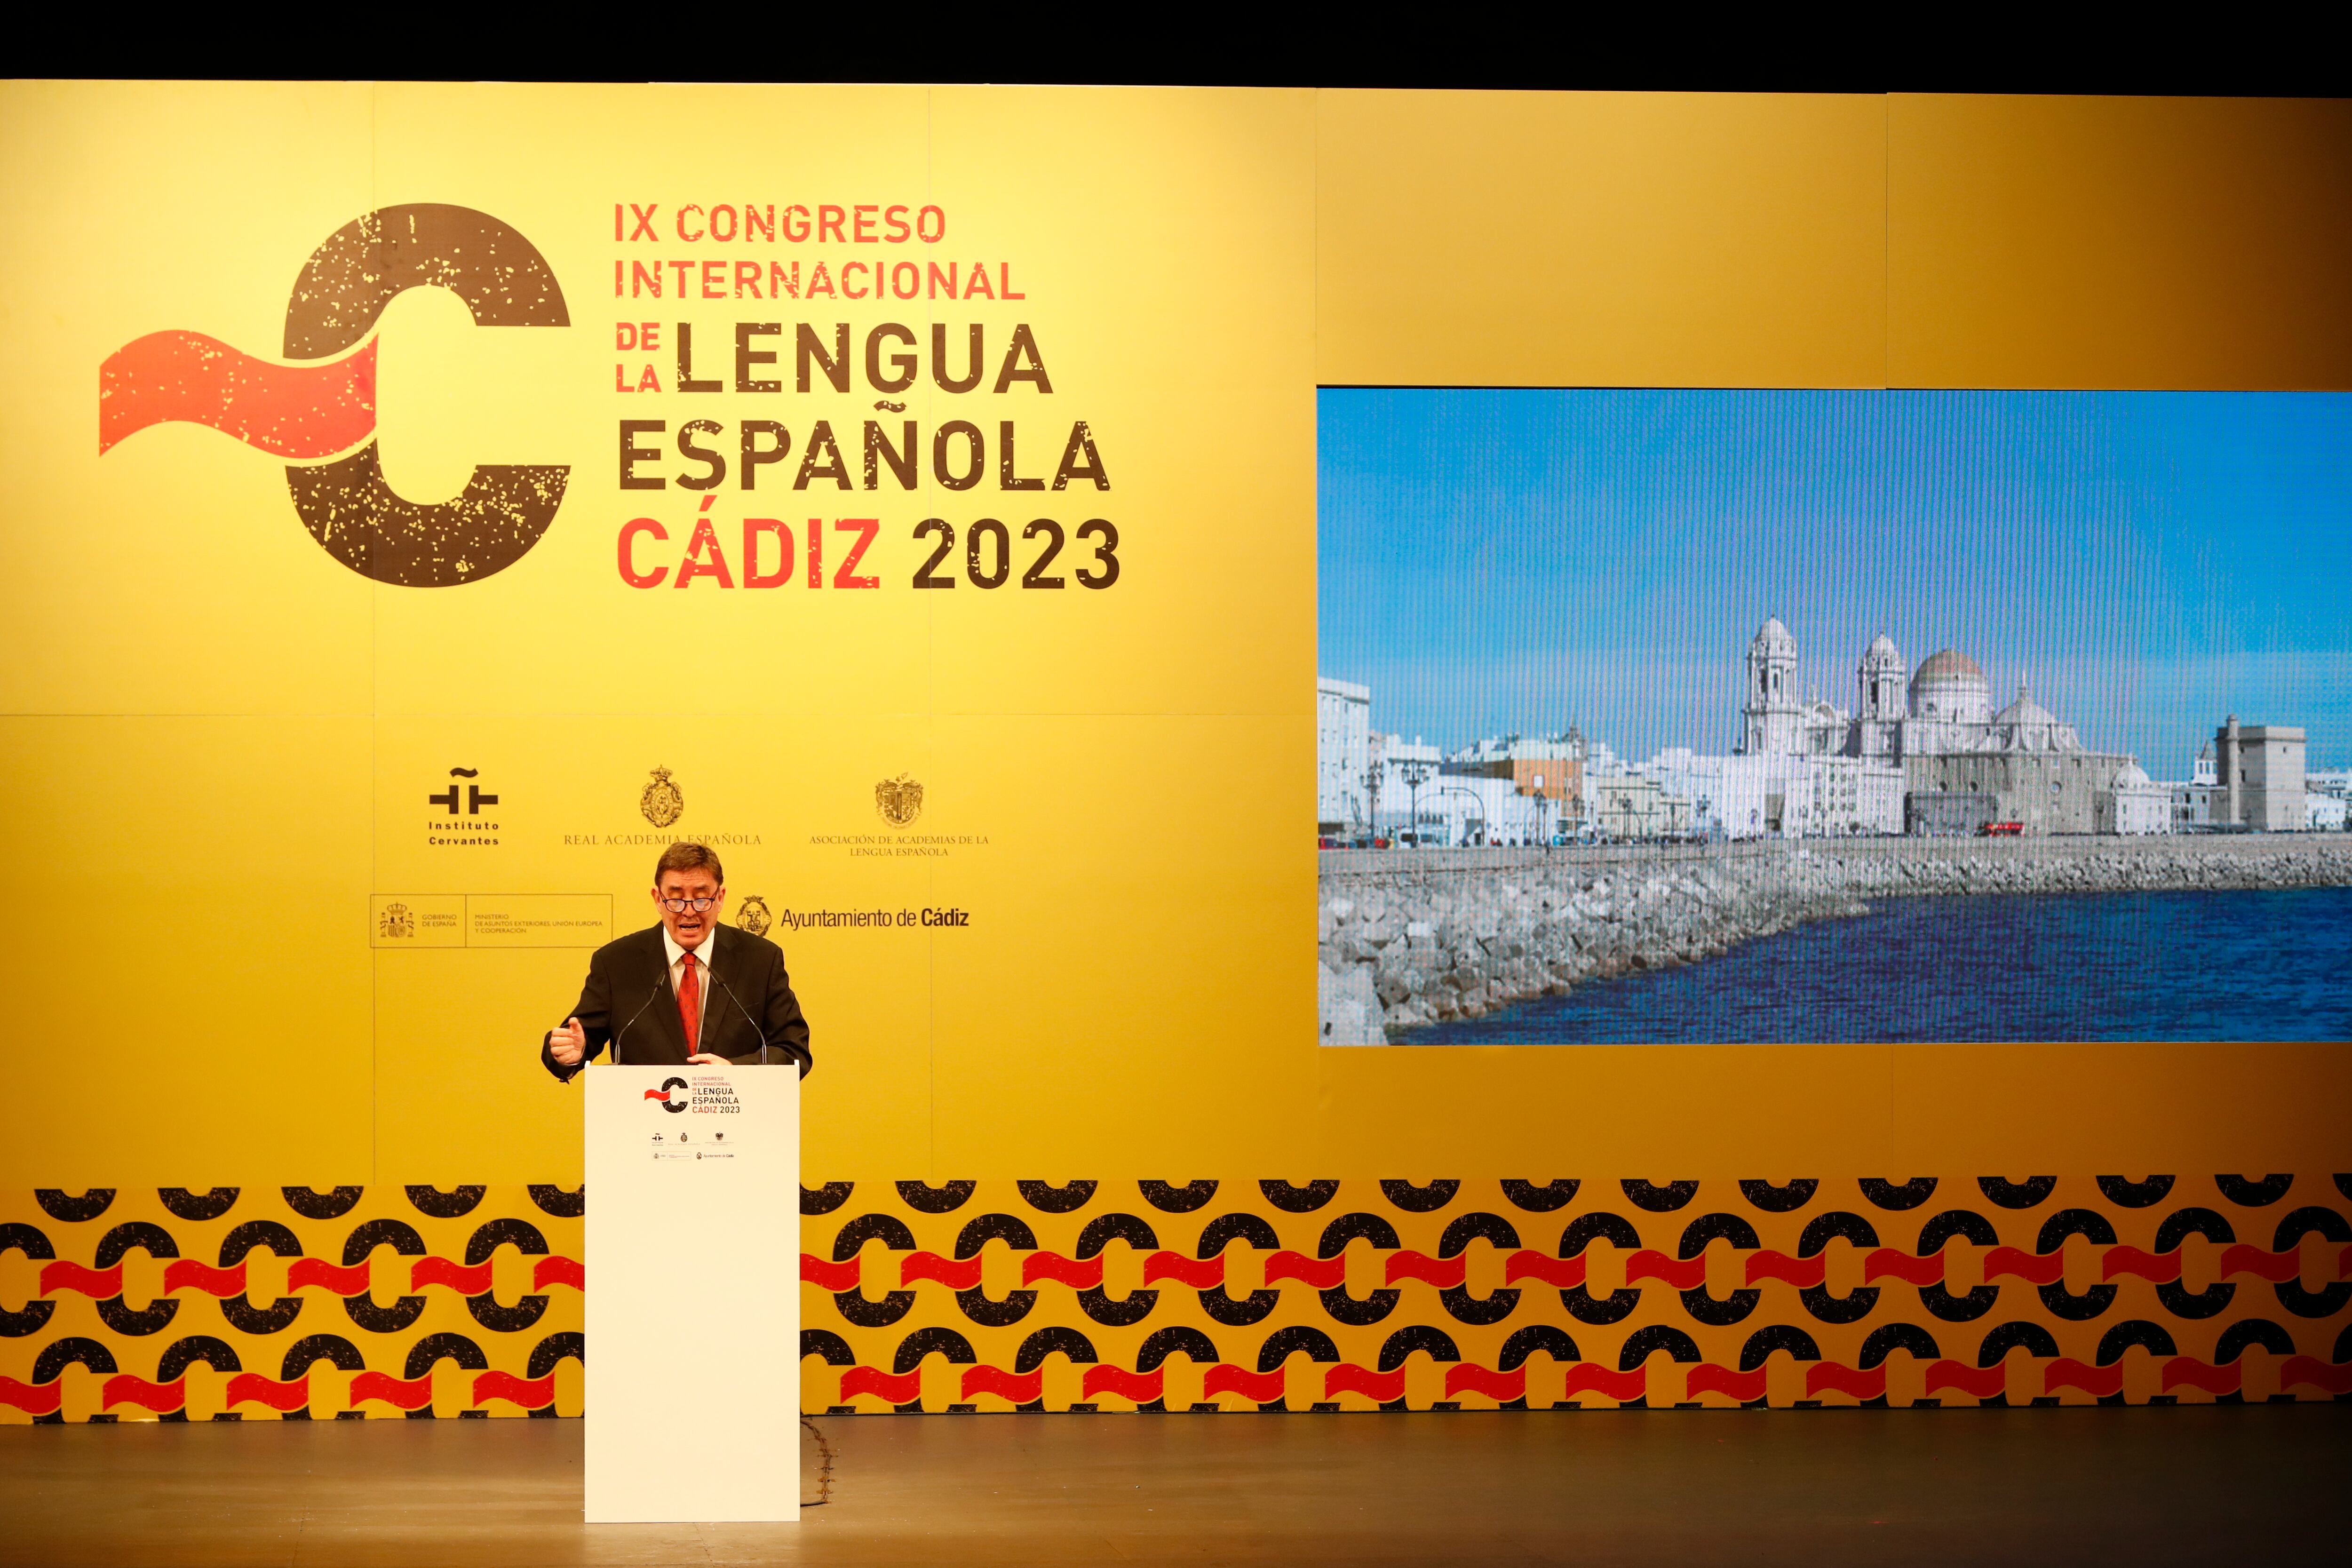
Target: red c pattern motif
420,1303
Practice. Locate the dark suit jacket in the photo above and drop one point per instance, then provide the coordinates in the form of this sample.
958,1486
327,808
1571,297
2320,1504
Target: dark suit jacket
628,995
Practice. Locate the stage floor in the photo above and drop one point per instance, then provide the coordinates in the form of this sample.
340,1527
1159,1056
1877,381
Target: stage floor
2143,1486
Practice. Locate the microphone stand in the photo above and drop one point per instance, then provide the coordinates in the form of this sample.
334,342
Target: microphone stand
640,1013
746,1011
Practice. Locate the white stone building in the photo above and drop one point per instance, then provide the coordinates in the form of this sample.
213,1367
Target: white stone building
1962,762
1627,806
2258,777
1730,796
1343,714
2137,806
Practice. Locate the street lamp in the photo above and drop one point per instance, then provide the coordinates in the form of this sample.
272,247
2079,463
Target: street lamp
1416,774
1374,767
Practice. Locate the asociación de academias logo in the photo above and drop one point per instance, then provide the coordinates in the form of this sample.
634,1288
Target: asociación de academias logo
898,801
321,412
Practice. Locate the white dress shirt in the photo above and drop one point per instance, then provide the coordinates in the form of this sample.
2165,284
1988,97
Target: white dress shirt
678,969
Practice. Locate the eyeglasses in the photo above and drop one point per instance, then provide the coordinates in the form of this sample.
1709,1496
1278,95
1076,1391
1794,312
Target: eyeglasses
679,906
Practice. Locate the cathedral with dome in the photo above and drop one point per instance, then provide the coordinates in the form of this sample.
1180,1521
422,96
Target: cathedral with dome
1964,762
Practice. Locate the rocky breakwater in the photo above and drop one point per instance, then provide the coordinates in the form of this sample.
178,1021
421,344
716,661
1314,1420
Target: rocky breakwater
1403,945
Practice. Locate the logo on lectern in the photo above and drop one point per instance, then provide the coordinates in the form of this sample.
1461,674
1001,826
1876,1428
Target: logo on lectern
673,1103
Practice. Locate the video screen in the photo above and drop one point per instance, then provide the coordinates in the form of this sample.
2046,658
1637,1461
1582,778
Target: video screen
1689,717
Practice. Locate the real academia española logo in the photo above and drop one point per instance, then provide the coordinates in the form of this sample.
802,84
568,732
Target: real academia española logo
323,404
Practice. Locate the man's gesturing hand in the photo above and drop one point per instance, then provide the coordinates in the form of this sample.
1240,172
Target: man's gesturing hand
568,1045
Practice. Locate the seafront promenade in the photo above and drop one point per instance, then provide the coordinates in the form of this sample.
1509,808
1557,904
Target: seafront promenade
1409,938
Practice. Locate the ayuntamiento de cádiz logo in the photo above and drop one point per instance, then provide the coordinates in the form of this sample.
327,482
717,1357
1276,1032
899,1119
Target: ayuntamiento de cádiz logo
324,405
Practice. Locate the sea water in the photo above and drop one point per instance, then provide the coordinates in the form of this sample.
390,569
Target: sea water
2241,965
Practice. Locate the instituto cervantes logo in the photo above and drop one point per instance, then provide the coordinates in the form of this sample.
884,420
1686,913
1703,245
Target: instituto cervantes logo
899,800
395,923
473,799
321,410
662,802
753,915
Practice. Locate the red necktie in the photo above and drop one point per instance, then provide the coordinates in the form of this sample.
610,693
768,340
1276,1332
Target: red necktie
689,1003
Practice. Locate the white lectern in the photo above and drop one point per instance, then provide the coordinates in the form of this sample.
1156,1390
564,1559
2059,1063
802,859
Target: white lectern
692,1386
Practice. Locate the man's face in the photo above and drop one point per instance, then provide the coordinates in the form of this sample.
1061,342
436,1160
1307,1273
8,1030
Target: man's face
689,927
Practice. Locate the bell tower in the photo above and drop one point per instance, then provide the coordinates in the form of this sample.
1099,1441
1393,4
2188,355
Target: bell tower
1768,715
1881,678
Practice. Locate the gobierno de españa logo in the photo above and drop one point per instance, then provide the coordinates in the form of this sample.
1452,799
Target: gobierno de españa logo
321,410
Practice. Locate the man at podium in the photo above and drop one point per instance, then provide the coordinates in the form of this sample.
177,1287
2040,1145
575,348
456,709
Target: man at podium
679,993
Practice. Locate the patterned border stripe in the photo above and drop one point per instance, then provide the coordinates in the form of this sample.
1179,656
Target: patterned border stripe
1241,1295
176,1305
1455,1294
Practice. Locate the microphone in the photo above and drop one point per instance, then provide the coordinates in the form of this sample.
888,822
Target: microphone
640,1013
746,1011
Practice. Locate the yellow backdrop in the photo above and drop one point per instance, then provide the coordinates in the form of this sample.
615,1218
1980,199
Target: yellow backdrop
248,947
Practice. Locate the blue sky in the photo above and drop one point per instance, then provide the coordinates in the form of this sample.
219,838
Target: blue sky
1494,560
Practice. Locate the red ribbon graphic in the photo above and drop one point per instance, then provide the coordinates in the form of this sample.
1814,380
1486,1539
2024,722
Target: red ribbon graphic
955,1273
1324,1273
407,1396
1386,1387
1839,1378
304,1271
1631,1384
1682,1273
446,1271
2068,1373
2036,1269
1567,1273
1142,1387
1469,1377
189,1274
97,1284
2162,1268
561,1270
1798,1271
269,1391
532,1393
159,1397
834,1276
1708,1378
1079,1274
296,411
32,1398
2278,1267
1199,1273
1886,1261
1021,1388
2335,1379
1444,1272
1263,1387
1983,1382
903,1389
2195,1373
